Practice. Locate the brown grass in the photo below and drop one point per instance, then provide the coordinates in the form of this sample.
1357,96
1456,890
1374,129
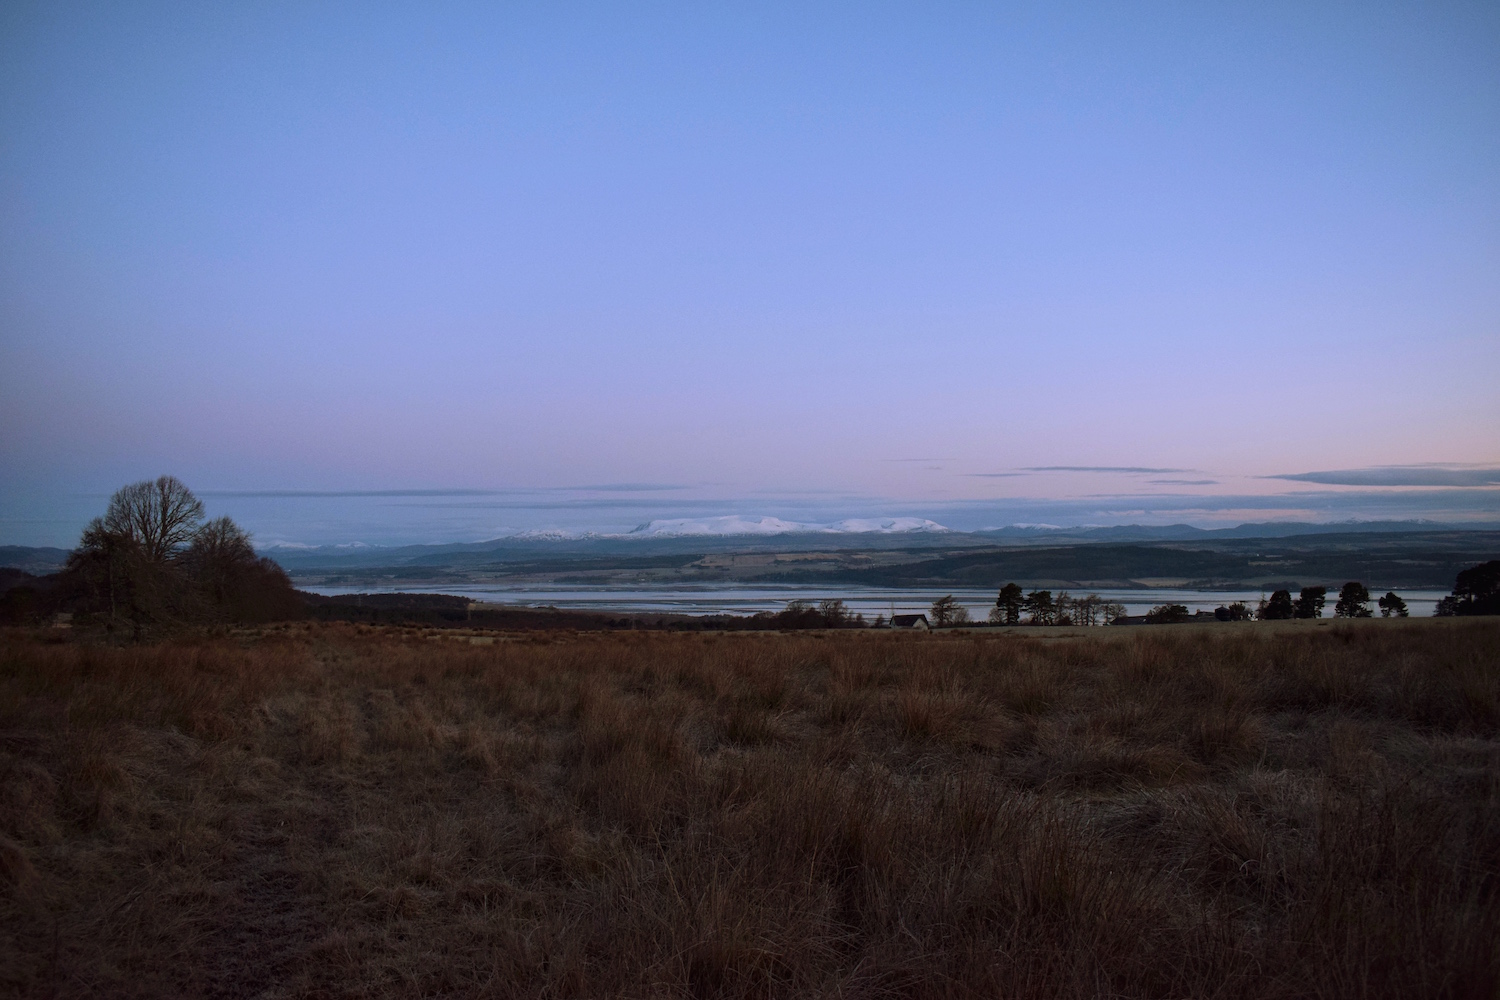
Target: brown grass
352,811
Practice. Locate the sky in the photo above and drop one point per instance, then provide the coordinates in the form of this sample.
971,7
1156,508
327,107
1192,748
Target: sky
594,264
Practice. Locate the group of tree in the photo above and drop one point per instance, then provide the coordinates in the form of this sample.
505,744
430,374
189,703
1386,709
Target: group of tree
1353,602
152,561
1013,606
1392,606
947,611
1475,592
829,613
1282,607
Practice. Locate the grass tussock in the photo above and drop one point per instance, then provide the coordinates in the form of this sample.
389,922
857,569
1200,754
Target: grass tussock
333,810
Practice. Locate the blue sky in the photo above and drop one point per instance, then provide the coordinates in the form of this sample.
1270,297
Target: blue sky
868,257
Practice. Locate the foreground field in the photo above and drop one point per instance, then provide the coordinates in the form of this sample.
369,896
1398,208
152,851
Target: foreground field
333,810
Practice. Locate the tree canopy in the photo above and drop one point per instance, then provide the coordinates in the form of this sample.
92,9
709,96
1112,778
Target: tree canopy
947,611
1039,608
1278,608
1008,605
1353,602
1475,592
1392,606
159,515
1310,602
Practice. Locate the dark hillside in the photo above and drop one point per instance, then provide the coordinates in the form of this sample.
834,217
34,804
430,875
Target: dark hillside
1412,564
38,561
446,611
1379,558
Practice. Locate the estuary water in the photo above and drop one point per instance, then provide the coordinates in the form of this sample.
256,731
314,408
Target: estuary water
742,600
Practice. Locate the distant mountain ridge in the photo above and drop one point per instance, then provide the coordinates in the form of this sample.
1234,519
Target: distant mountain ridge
667,537
37,561
1259,529
557,550
738,524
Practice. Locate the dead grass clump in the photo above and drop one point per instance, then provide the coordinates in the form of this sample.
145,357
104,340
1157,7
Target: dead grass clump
329,729
1222,733
352,811
924,714
749,724
1029,686
480,748
1092,761
956,720
28,800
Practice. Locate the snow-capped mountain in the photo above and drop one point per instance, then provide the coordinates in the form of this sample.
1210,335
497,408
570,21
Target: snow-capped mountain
880,525
740,524
553,535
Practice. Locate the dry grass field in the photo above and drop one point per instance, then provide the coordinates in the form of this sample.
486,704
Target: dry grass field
334,810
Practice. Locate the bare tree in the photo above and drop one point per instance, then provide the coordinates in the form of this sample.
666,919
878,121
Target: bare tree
1062,609
1086,609
835,613
158,515
108,564
149,562
219,555
125,558
945,611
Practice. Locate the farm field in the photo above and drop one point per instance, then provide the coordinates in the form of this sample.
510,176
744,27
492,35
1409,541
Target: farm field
1306,810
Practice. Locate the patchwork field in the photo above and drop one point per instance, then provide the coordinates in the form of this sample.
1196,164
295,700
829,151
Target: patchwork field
337,810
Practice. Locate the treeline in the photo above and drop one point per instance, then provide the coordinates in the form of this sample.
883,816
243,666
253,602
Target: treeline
831,613
1039,607
1353,602
1476,592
